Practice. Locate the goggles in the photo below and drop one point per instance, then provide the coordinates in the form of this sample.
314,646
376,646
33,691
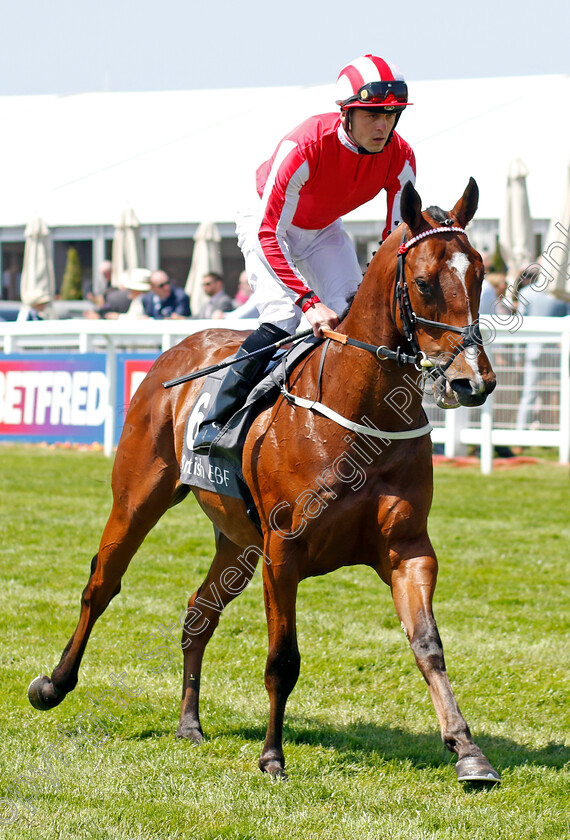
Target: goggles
385,94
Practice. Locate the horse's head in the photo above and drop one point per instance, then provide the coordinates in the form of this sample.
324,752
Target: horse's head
436,300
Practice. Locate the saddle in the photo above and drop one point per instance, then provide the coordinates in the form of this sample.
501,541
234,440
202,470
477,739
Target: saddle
220,471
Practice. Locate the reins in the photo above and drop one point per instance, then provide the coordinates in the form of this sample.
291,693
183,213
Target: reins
398,355
326,411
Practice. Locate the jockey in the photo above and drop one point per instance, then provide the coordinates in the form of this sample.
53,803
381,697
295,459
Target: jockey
298,256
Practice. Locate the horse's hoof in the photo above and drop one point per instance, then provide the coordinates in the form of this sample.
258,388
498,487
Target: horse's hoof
476,768
43,695
190,733
274,769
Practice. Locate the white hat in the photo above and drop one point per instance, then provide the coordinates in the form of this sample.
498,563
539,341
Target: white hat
136,280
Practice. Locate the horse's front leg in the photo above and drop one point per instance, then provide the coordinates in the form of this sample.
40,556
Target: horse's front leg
280,582
413,583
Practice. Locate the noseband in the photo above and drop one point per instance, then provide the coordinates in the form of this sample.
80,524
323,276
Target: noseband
470,334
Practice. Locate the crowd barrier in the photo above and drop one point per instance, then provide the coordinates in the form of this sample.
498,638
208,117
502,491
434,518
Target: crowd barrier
72,380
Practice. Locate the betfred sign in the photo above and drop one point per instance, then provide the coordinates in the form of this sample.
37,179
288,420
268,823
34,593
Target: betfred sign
63,397
131,372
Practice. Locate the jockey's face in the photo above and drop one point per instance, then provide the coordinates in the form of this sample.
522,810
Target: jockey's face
370,129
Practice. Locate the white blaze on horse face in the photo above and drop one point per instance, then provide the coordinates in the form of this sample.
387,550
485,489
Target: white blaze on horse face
472,357
460,263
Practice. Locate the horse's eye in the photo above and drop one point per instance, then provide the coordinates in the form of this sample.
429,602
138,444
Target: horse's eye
423,286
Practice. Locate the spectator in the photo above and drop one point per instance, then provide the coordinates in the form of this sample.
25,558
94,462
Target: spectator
244,290
98,300
117,302
38,309
113,302
493,300
539,304
136,282
213,286
244,301
488,297
165,301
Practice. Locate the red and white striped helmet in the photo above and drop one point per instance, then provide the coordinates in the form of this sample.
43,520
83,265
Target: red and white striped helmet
371,82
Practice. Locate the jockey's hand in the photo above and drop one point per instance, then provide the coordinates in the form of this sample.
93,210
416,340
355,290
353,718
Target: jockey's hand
320,316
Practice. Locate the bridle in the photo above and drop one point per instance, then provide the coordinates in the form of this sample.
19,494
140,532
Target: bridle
470,334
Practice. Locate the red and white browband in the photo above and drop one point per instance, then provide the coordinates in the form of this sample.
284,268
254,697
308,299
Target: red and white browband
406,245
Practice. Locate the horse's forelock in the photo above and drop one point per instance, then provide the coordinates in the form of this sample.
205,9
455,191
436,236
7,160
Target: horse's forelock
438,215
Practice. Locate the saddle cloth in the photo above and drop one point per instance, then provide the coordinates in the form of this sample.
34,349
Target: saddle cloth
221,469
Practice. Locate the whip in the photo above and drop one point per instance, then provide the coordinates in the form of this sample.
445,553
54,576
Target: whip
197,374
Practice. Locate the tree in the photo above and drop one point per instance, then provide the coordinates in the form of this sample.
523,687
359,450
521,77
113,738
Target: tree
71,288
498,265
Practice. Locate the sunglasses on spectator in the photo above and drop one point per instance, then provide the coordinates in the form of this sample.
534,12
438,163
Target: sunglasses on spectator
162,285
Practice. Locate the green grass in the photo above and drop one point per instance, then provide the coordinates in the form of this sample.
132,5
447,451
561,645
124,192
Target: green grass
362,742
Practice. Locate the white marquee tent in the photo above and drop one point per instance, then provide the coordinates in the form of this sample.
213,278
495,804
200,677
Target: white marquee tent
190,156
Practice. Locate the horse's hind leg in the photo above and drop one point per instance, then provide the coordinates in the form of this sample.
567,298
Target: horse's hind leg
229,574
144,486
413,584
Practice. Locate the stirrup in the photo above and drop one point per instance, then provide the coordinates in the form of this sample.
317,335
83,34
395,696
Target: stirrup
237,383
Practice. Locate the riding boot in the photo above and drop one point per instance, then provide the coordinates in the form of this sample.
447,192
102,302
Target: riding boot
239,380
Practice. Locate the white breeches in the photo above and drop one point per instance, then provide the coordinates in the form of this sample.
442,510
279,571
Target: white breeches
325,258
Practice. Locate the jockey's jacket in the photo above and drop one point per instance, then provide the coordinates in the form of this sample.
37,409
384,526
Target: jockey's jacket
317,175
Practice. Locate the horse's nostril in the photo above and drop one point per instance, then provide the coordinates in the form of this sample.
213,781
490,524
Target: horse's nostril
462,386
467,392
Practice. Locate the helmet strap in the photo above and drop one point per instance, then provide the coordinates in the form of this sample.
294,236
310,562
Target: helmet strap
346,113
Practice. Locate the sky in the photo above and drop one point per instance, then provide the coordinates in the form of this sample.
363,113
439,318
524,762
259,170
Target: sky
75,46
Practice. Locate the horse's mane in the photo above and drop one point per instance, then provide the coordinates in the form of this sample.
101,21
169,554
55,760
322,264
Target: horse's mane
349,302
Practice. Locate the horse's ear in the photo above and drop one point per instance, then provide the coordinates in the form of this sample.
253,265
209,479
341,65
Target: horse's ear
467,205
411,207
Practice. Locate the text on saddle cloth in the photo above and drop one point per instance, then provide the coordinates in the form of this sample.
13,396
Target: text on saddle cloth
203,470
220,470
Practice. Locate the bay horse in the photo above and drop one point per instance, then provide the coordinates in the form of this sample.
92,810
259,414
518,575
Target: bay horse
328,492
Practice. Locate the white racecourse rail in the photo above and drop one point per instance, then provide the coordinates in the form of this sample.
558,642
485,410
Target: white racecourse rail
531,358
